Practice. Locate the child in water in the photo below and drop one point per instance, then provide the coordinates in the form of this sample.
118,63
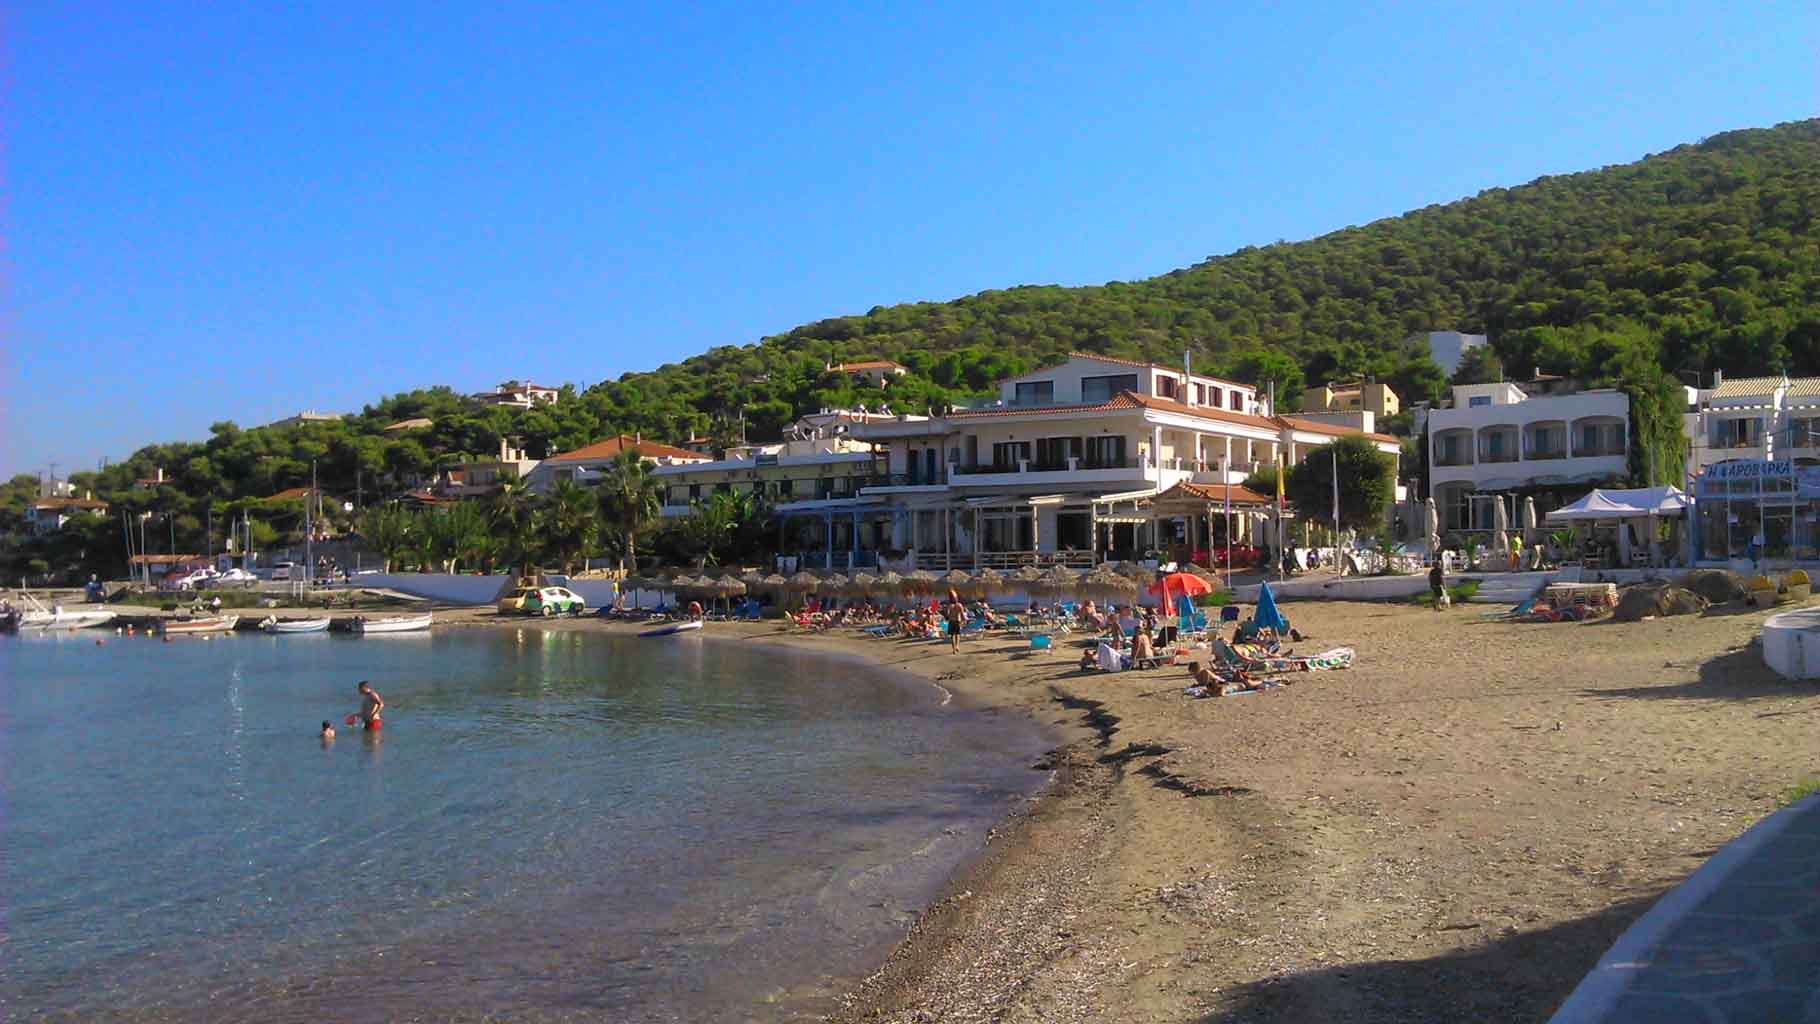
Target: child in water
328,731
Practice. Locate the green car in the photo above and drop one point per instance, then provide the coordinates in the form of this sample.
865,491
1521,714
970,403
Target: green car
545,601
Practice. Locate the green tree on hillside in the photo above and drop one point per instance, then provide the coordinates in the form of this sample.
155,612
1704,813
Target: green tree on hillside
1367,484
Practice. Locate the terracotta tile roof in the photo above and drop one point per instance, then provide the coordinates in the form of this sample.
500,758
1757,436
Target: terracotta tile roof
1216,493
1804,387
614,445
291,494
1747,387
1120,401
1206,412
1316,427
871,364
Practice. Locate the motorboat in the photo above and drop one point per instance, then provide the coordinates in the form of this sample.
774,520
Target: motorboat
393,624
672,629
206,624
34,615
274,625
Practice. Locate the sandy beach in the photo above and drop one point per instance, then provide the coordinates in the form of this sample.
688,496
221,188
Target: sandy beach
1456,828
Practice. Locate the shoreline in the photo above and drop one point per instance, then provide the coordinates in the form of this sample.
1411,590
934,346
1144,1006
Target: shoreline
1455,828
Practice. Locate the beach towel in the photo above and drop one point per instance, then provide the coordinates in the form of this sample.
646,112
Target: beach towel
1339,657
1111,660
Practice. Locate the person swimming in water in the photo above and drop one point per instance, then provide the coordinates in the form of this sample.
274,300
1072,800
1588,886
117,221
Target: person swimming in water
328,731
370,705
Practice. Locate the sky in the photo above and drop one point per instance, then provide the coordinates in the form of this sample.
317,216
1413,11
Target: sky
237,211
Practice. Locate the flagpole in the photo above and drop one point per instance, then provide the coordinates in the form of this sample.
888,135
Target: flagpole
1336,504
1281,459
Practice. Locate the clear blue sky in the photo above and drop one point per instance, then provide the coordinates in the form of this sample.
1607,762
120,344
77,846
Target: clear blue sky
233,211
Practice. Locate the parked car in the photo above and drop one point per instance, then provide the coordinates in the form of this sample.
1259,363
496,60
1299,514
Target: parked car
280,571
193,579
545,601
233,578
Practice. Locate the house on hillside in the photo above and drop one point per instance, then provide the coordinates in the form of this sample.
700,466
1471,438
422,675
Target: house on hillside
878,372
306,416
519,394
1447,348
408,425
1357,396
483,476
51,513
584,465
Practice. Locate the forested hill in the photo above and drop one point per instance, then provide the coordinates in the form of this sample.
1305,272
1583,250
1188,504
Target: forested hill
1704,257
1711,249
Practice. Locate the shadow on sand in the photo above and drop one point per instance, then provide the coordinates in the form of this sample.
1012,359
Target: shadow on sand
1521,976
1735,675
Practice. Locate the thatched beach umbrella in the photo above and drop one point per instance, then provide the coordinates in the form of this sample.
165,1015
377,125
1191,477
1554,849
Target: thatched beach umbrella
862,583
832,585
1060,581
775,582
960,581
754,579
987,581
1027,578
1110,582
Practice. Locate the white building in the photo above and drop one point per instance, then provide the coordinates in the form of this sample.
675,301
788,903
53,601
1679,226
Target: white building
1497,438
1754,468
1449,347
1065,463
51,513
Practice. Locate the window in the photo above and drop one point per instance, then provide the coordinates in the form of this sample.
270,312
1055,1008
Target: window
1214,398
1447,451
694,492
1200,394
824,488
1804,433
1038,392
930,457
1054,452
785,487
1105,452
1103,389
1007,454
1165,387
723,488
1475,401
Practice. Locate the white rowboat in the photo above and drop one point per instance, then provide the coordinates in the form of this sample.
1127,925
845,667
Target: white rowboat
295,625
211,624
393,624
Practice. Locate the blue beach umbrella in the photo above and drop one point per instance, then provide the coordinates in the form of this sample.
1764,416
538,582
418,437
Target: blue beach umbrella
1266,614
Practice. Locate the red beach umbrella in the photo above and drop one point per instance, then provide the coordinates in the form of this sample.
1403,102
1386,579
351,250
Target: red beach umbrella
1186,584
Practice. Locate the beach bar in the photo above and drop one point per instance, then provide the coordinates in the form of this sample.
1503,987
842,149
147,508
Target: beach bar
1757,510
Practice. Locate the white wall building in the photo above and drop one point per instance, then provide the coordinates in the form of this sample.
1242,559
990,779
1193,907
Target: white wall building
1449,347
1498,438
1061,468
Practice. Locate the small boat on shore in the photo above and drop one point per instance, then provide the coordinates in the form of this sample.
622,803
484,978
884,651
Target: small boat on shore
35,616
672,629
208,624
274,625
392,624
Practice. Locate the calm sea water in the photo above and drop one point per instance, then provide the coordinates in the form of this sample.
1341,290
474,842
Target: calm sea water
551,826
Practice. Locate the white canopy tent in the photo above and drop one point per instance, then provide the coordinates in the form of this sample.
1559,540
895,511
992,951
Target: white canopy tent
1621,505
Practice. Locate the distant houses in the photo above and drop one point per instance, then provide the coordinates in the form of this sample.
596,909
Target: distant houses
518,394
586,464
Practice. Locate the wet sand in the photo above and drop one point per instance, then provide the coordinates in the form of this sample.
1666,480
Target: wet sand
1456,828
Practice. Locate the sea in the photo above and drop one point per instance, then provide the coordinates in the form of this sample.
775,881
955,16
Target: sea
550,825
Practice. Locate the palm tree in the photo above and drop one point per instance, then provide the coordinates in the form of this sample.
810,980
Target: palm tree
628,501
569,523
512,517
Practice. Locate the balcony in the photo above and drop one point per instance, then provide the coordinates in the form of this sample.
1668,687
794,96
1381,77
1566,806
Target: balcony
1028,468
1543,454
1447,461
1486,458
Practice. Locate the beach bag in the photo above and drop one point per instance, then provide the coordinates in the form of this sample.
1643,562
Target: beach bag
1444,601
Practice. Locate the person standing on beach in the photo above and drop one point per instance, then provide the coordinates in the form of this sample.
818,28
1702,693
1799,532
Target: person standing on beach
957,613
1437,583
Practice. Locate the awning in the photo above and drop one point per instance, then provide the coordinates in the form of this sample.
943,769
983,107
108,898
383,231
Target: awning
1628,503
1015,501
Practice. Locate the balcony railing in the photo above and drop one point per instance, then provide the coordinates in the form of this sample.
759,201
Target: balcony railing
1604,449
1488,457
1456,460
1540,454
939,561
1071,466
